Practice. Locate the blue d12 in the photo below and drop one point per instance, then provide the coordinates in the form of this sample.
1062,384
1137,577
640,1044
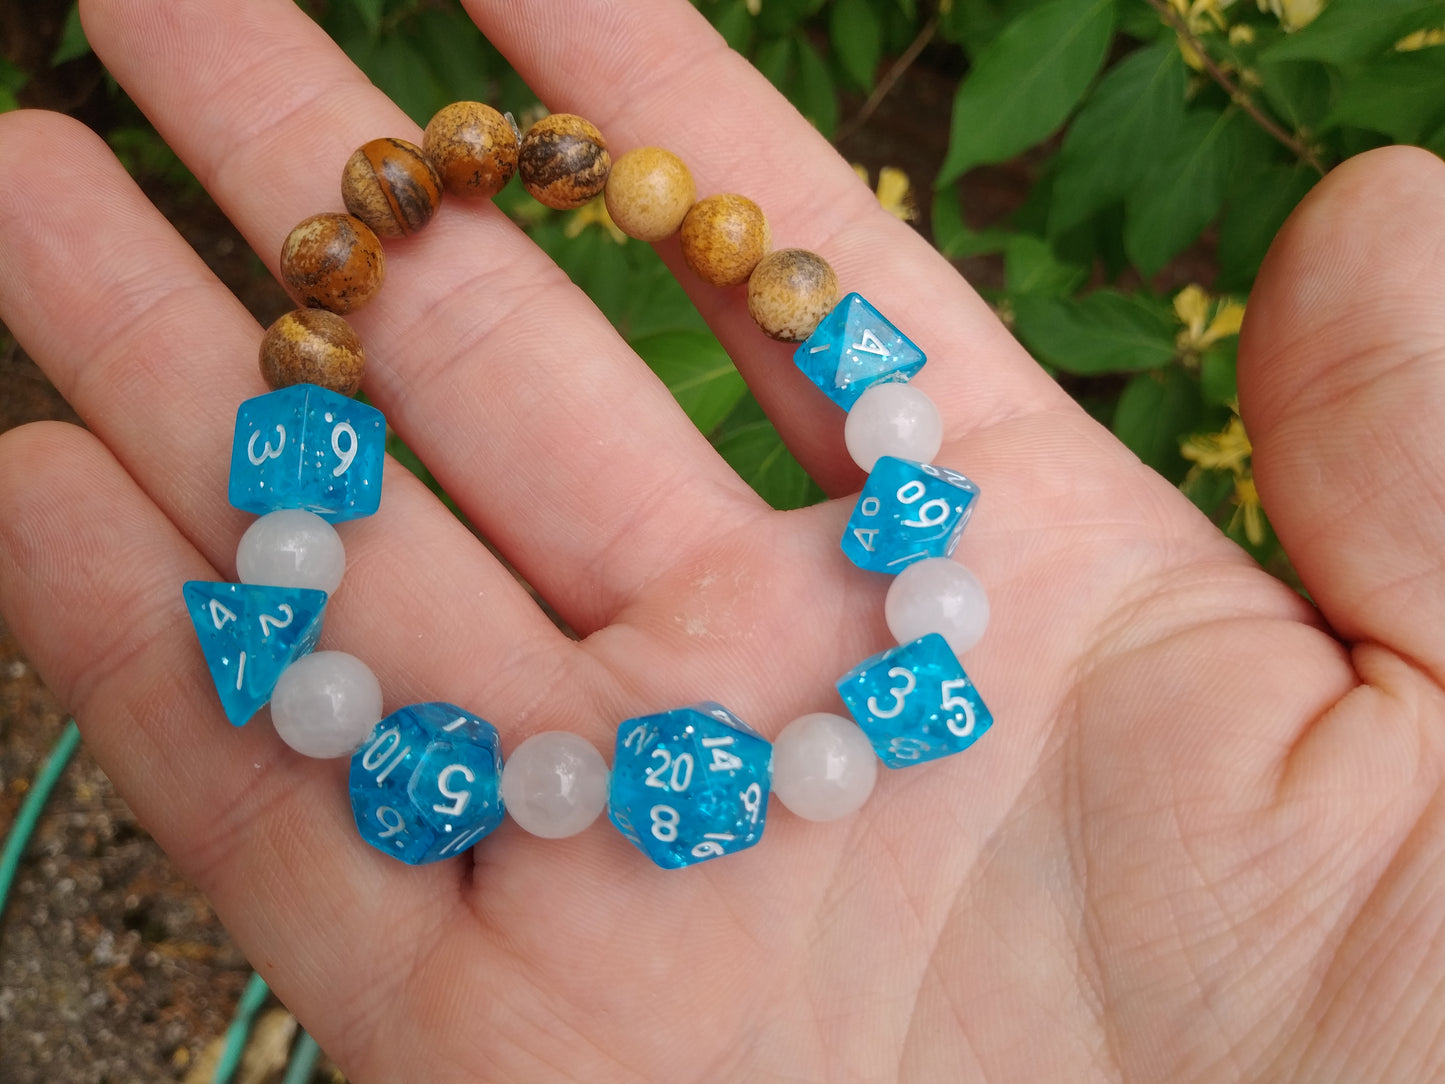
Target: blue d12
690,784
308,447
915,703
906,512
249,633
854,348
426,784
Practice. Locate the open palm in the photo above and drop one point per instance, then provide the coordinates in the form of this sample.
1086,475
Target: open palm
1203,840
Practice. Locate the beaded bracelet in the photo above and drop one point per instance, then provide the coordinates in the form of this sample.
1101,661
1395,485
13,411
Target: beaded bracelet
688,784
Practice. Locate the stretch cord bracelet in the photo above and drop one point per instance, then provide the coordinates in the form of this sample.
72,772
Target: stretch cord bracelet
689,784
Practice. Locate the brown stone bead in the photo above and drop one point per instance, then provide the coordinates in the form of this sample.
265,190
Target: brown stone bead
563,161
724,237
790,292
649,192
473,148
312,346
332,261
389,185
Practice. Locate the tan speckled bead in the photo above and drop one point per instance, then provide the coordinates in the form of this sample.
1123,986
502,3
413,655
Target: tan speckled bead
724,237
790,292
563,161
473,148
312,346
332,261
389,185
649,192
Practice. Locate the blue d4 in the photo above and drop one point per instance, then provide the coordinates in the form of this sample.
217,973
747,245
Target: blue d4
906,512
915,703
853,348
249,633
690,784
426,785
308,447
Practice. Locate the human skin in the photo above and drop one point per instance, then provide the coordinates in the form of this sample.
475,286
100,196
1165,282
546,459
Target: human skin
1203,840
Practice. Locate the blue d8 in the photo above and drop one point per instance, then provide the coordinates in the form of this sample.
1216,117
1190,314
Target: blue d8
854,348
425,786
249,633
906,512
915,703
690,784
308,447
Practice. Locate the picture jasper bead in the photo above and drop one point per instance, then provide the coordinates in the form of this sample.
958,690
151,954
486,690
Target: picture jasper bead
649,193
312,346
563,161
332,261
724,237
389,185
473,148
790,292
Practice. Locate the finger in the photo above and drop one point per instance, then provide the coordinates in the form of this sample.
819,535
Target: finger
1342,383
480,351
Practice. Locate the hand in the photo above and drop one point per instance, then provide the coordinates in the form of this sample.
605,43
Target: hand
1204,839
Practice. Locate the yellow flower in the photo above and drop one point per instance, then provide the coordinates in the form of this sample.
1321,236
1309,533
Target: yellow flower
1248,511
755,6
1421,39
1241,34
590,214
1228,449
1192,305
895,191
1293,14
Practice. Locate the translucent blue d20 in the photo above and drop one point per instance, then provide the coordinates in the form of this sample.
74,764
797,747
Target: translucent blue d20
915,703
308,447
853,348
906,512
249,633
690,784
426,784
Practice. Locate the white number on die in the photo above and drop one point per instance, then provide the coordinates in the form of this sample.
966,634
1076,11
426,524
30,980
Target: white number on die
898,692
678,769
963,723
905,748
349,453
277,622
267,451
753,801
709,847
930,513
393,824
386,750
220,615
664,822
459,798
722,760
870,344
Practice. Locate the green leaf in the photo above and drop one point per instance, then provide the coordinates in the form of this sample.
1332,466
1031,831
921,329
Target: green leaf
1351,30
1023,86
370,12
698,372
855,32
457,54
813,92
394,65
1217,383
1252,217
955,238
1031,267
1155,410
1172,204
1105,332
1128,120
734,23
1402,96
73,42
752,447
1299,92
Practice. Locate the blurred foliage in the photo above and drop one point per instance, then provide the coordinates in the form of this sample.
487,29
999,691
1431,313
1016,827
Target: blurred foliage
1152,130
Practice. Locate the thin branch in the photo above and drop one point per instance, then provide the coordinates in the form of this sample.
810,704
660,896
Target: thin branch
889,80
1291,141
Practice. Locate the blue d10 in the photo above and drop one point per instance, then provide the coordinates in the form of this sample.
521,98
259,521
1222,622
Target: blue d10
854,348
425,785
915,703
906,512
249,633
690,784
308,447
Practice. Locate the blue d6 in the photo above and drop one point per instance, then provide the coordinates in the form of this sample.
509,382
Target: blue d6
906,512
308,447
915,703
425,786
854,348
690,784
249,633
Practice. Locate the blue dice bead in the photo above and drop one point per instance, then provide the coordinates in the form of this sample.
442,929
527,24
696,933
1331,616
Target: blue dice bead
249,633
906,512
690,784
425,784
307,447
853,348
915,703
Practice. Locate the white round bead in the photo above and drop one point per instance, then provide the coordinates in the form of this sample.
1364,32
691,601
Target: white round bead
892,419
938,595
554,784
823,767
326,704
291,548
